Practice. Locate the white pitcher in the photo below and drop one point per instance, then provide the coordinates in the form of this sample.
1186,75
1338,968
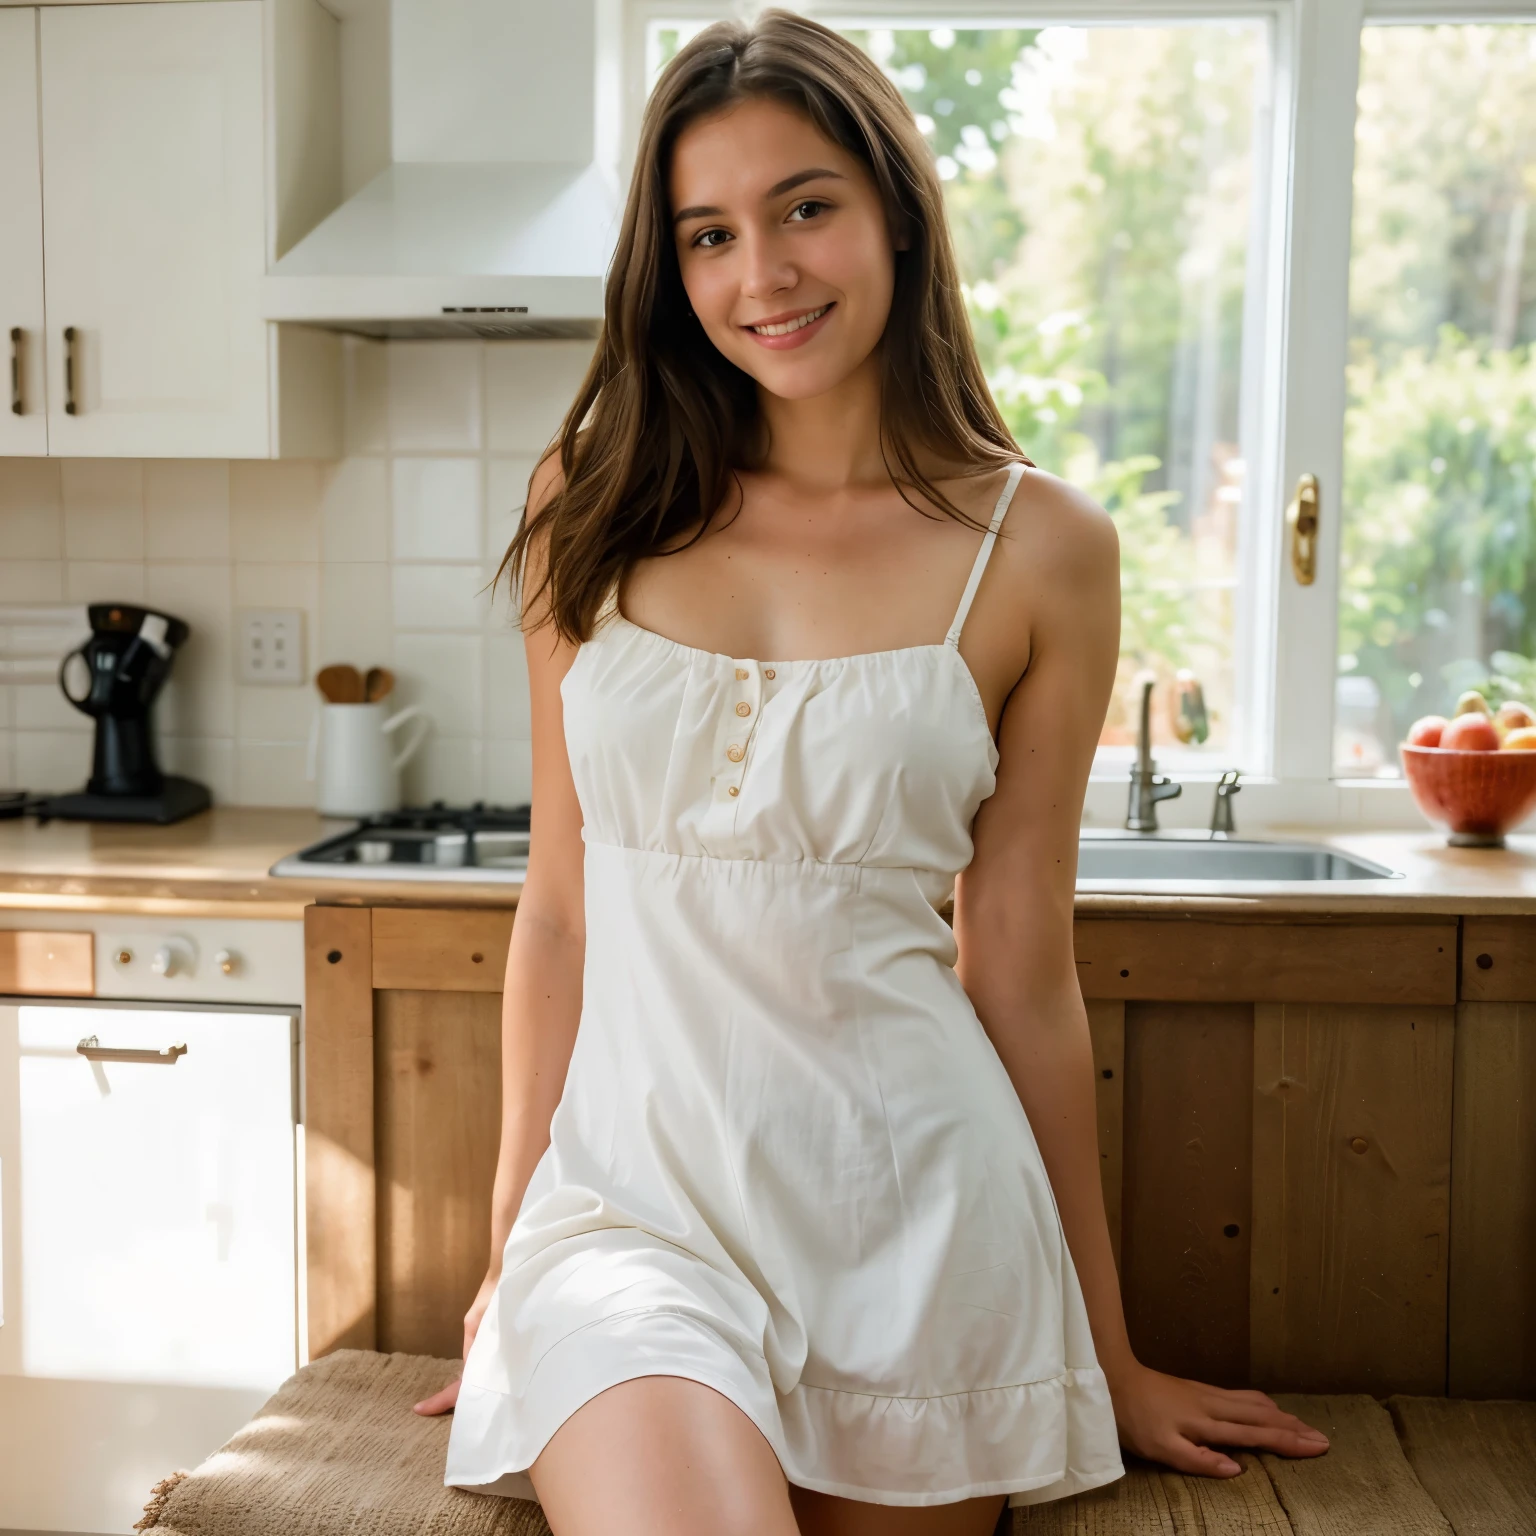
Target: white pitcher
359,766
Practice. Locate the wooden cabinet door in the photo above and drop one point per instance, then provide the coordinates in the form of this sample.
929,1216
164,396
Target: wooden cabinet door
22,431
154,211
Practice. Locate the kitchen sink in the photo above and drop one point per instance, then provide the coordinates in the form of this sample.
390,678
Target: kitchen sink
1133,856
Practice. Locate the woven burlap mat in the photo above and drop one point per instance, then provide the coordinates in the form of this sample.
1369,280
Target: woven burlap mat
337,1452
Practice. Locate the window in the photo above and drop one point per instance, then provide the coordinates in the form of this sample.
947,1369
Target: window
1209,247
1437,580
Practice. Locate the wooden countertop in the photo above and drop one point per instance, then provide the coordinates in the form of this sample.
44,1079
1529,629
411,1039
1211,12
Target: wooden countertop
221,859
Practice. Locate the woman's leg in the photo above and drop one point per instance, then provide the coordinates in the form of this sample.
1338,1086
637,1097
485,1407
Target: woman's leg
662,1456
820,1514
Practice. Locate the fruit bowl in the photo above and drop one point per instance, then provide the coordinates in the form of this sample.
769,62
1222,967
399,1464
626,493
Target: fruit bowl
1478,795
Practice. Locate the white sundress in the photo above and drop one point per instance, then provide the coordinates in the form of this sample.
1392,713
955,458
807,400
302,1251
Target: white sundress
788,1162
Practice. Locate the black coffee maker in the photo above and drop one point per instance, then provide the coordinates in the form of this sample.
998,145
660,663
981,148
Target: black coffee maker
114,678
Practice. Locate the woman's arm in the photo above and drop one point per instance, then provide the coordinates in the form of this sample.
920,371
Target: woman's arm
541,999
1013,923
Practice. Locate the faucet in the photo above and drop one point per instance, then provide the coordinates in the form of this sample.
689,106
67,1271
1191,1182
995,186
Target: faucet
1147,786
1221,807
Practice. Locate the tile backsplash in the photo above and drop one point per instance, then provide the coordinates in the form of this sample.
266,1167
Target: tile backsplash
387,551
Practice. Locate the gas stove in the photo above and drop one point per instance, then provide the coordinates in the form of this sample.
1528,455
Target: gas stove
435,842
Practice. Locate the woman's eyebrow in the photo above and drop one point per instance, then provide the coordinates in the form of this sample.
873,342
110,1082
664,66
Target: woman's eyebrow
778,189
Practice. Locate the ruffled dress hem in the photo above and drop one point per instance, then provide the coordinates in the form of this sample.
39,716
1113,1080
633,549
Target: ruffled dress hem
1034,1441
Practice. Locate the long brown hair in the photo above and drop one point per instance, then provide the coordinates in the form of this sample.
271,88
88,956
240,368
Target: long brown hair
662,419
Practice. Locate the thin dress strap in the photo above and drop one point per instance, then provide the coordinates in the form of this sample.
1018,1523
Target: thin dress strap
1015,474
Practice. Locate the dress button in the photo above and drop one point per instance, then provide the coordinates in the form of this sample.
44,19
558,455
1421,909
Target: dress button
741,674
743,709
769,673
733,791
735,753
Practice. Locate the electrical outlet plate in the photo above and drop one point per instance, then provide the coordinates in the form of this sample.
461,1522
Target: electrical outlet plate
272,645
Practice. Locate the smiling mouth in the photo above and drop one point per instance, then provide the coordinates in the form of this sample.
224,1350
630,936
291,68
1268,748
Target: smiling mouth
788,327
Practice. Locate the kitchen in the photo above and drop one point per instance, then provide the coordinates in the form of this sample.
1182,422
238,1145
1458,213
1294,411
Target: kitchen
288,336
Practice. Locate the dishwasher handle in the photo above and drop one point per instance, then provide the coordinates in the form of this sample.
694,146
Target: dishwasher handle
93,1050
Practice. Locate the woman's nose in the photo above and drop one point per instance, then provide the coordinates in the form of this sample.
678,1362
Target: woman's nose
766,268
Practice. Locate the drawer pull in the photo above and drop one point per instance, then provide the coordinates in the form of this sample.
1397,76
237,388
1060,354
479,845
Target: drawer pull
70,408
17,405
93,1050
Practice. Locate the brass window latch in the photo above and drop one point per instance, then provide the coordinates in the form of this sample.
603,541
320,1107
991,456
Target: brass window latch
1301,519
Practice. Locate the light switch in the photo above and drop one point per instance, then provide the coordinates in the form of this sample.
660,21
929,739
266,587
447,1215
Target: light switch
272,645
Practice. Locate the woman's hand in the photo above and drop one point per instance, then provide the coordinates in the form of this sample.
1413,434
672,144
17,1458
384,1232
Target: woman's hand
441,1402
1175,1421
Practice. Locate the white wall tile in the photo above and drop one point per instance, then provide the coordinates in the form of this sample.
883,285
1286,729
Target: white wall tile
439,597
199,698
104,581
186,509
354,510
274,508
434,396
365,402
43,707
442,673
447,768
437,509
30,581
208,759
508,772
506,688
273,713
51,762
103,509
31,509
273,773
506,489
356,622
529,386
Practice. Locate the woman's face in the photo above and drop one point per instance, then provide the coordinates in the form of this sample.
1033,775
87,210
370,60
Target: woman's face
783,244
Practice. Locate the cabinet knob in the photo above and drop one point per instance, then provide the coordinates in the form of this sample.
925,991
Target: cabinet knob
124,957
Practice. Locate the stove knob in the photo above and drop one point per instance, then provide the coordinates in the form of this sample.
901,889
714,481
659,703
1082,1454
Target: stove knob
227,961
164,963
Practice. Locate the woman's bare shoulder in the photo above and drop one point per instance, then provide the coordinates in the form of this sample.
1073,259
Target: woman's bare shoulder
1058,532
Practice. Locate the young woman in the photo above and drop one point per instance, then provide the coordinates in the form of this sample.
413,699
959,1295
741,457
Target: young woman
802,1230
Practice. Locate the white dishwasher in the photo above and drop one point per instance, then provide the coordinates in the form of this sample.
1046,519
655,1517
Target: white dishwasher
149,1219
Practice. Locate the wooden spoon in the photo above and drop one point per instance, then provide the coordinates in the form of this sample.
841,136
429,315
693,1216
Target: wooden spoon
340,684
378,684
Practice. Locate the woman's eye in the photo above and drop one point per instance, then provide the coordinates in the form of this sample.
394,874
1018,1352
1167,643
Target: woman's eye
810,203
707,242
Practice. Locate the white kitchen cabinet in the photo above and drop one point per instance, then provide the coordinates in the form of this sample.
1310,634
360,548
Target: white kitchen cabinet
24,419
148,1220
154,219
143,181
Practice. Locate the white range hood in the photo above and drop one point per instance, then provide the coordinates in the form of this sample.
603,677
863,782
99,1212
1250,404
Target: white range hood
497,210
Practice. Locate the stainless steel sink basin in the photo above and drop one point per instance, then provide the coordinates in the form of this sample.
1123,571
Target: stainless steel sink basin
1131,856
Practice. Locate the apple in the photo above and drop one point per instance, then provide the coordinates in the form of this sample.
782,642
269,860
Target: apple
1521,739
1425,732
1511,715
1472,700
1471,732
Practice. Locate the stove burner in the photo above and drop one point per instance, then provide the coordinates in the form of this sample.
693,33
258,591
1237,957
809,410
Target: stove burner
483,842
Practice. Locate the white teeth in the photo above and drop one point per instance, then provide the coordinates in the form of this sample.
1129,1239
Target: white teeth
791,325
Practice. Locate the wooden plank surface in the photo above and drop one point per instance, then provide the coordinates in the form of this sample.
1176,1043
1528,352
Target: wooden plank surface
1188,1187
1304,959
41,964
338,1129
1476,1460
442,949
1351,1208
1498,959
438,1085
1493,1202
1106,1028
1362,1485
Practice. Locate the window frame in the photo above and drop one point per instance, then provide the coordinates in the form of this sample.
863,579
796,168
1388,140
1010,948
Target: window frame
1294,389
